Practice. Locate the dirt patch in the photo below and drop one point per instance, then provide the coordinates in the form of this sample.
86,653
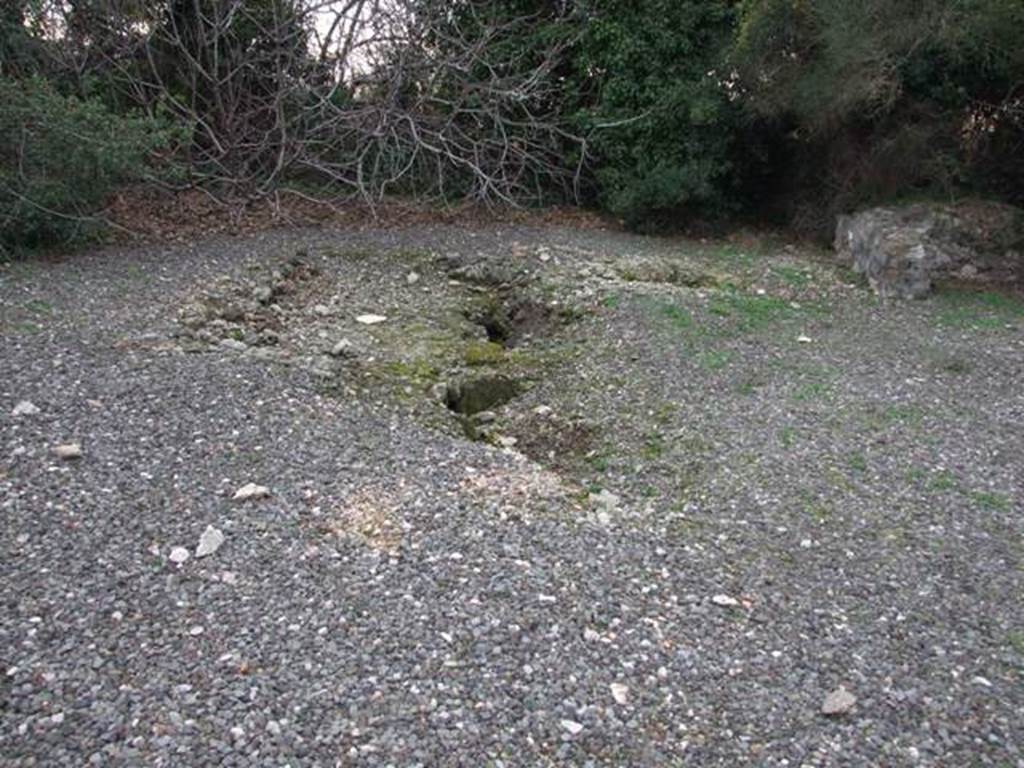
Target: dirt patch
514,319
554,442
371,517
521,488
146,214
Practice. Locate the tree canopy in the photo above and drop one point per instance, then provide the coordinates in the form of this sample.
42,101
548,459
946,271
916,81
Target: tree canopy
663,112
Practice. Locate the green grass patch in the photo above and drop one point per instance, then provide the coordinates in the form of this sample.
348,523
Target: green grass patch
751,382
1016,641
654,447
733,255
943,481
993,502
714,360
413,370
599,462
787,436
813,382
954,364
903,414
916,475
670,314
813,390
815,507
978,310
750,312
23,327
857,462
676,315
665,412
796,278
39,307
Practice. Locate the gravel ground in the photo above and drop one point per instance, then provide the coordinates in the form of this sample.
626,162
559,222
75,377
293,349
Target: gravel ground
731,485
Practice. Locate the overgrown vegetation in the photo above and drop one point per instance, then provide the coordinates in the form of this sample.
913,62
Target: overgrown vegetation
652,102
62,157
663,112
881,100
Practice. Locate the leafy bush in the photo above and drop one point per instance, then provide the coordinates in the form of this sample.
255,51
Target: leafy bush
61,158
878,100
653,101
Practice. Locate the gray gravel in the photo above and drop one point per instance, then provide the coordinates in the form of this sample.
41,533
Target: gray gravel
738,485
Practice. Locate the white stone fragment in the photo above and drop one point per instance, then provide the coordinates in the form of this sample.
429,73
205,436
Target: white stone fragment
68,451
251,491
25,408
606,500
620,693
210,541
572,727
839,702
725,601
371,319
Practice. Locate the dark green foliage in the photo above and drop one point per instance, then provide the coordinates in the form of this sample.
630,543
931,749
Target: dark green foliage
660,122
661,111
641,83
60,159
876,100
20,49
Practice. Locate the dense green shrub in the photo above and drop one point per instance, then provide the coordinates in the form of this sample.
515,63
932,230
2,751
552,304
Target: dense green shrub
879,100
60,159
653,102
639,81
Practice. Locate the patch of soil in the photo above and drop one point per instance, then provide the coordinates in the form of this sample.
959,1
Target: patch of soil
152,215
553,442
513,320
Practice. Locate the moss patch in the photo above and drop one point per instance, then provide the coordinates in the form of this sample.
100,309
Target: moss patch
484,353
